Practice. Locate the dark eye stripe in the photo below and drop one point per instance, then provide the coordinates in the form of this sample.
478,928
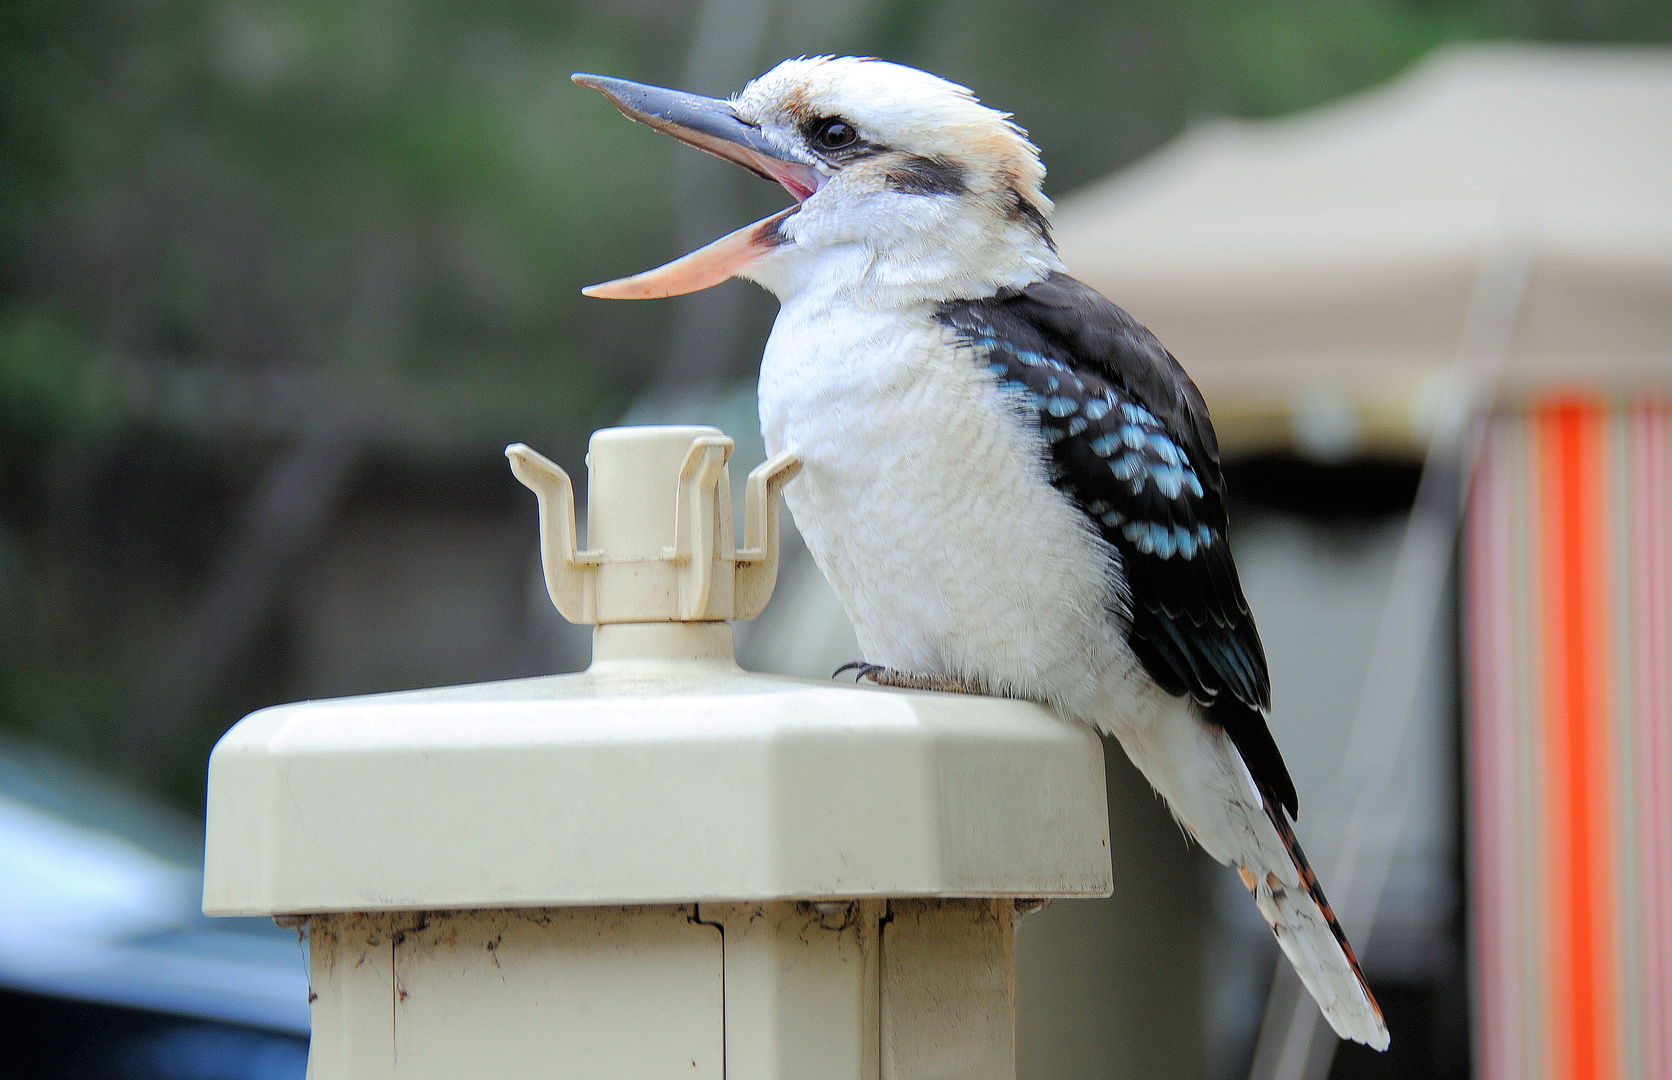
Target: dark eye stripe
914,175
1022,209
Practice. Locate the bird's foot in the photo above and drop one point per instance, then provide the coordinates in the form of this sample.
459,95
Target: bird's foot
906,680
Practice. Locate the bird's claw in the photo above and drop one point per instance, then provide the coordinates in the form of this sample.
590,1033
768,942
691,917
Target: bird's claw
863,670
905,680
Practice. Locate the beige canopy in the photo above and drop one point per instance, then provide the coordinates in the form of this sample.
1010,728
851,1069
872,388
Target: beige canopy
1505,200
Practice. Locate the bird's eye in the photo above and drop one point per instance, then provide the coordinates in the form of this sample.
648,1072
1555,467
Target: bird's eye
834,133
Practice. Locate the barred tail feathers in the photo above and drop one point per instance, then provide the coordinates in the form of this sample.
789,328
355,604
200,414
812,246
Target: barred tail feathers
1200,773
1310,936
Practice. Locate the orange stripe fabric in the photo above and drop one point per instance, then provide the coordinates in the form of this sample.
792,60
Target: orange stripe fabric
1575,511
1569,566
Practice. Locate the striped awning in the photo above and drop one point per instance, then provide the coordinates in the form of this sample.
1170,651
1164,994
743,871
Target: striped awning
1569,570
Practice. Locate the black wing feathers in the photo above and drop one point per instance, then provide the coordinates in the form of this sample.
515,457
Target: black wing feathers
1132,444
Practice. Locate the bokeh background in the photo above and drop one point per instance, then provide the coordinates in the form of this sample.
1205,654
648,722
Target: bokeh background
278,281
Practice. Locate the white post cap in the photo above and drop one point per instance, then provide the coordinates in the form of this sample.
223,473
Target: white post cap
664,773
659,528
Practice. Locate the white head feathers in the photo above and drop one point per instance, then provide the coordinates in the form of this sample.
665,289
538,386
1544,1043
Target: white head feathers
937,196
910,189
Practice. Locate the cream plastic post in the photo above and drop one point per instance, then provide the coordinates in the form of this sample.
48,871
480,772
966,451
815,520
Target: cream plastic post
663,866
646,564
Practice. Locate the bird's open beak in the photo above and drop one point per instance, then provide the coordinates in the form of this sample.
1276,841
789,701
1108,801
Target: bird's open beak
708,124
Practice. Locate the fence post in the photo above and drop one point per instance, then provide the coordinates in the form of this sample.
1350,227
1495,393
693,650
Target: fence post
663,866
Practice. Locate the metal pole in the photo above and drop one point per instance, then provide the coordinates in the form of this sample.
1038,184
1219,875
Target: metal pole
1294,1044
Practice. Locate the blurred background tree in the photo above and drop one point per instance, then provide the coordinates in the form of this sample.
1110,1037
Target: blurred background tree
267,266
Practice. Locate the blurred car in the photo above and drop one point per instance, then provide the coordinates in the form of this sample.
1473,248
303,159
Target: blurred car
107,966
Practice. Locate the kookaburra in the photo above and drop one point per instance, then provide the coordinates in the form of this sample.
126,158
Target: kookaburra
1011,485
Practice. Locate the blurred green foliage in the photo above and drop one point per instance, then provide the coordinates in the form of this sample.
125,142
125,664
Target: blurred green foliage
392,205
46,381
410,188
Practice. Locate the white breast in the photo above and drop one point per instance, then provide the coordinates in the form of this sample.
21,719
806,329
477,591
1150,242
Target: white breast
925,500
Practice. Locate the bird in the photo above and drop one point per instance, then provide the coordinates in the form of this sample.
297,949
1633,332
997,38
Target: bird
1010,483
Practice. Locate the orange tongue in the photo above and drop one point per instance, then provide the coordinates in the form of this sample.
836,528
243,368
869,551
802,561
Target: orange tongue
702,268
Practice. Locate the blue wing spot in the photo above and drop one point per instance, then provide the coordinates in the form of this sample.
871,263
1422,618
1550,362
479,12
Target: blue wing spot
1062,406
1076,425
1104,445
1133,436
1164,541
1165,449
1126,467
1195,483
1095,409
1144,535
1137,414
1053,435
1168,479
1112,518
